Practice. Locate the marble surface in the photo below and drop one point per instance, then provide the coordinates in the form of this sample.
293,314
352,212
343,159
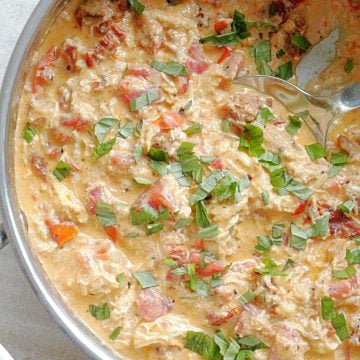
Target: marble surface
26,330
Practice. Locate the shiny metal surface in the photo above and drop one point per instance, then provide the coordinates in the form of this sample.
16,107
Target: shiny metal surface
13,220
318,112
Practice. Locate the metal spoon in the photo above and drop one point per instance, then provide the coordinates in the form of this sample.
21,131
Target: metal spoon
318,112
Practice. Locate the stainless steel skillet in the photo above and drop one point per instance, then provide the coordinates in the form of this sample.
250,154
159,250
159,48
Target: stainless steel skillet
14,222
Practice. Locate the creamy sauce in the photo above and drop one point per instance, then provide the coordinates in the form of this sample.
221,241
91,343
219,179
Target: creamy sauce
95,58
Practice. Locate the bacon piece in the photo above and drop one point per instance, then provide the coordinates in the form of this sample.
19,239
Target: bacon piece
342,288
38,165
152,304
339,223
169,120
62,232
197,62
46,61
69,54
95,195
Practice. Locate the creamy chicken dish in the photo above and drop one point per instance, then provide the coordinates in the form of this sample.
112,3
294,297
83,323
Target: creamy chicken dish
179,215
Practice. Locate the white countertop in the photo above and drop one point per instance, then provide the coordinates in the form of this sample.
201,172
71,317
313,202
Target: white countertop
26,330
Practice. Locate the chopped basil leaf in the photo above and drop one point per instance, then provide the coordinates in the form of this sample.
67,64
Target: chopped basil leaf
285,71
277,233
247,297
270,268
353,256
301,42
264,115
262,54
347,206
102,128
199,286
142,181
177,171
357,240
154,228
209,232
298,189
115,333
239,25
327,308
207,159
160,167
164,214
298,237
137,152
270,161
103,149
171,68
157,154
320,228
100,312
338,158
137,6
143,216
334,170
126,130
207,186
221,341
132,235
170,262
144,99
229,39
185,148
193,129
280,53
252,140
289,263
279,179
294,124
62,169
315,151
190,269
245,355
28,133
225,126
145,279
339,323
344,274
349,65
120,278
216,282
105,214
251,343
138,128
264,243
201,215
183,222
187,106
179,271
265,197
201,344
232,350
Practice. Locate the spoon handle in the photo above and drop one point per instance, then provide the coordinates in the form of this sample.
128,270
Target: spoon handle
348,99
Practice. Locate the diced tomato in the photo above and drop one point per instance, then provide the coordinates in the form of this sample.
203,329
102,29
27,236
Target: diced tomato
301,207
60,137
127,97
95,196
225,54
55,153
217,164
156,196
354,5
122,162
342,288
46,61
62,232
38,165
339,223
169,120
182,84
112,232
143,72
200,245
212,266
69,54
197,62
89,59
217,320
220,25
152,304
77,123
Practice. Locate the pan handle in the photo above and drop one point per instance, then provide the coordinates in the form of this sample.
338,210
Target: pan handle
3,237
